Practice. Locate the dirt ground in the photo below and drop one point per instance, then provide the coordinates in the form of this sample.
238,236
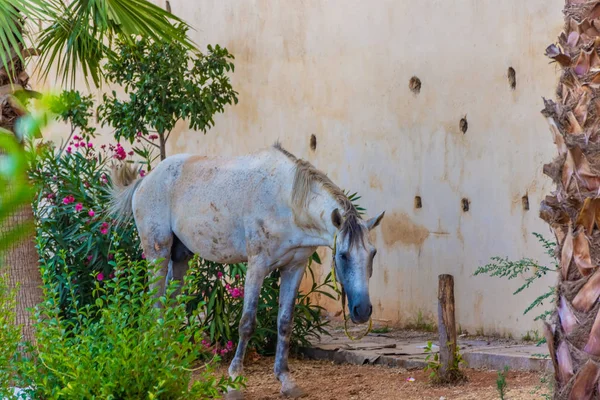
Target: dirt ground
322,380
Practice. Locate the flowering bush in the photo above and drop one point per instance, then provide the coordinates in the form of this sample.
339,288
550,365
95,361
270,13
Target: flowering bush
70,216
72,193
122,347
217,291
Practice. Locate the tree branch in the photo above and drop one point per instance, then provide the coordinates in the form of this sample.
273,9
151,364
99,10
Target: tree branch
150,142
66,143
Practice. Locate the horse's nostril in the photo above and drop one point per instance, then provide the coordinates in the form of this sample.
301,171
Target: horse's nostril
370,310
355,310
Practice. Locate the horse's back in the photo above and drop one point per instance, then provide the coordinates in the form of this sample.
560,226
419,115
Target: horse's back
212,203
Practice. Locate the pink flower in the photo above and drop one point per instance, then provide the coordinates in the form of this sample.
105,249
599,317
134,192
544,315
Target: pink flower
224,351
90,257
139,134
78,207
91,213
143,256
205,343
103,147
76,145
112,275
69,150
219,274
237,276
100,277
111,256
130,153
235,293
76,137
104,228
142,173
69,199
120,153
229,345
50,196
153,137
103,179
215,351
90,144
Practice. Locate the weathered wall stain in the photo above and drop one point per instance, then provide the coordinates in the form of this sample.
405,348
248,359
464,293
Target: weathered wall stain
375,182
478,308
398,228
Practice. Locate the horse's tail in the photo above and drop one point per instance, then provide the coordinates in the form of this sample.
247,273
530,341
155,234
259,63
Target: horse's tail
125,181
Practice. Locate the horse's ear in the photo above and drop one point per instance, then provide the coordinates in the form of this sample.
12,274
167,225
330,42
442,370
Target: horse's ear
373,222
336,218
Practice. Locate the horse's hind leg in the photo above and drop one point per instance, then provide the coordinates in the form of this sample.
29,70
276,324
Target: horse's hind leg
180,258
291,276
157,242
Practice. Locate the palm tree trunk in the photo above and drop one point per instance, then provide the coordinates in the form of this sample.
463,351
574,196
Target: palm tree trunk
23,271
22,258
573,209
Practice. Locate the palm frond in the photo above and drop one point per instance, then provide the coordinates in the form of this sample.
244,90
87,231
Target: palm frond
13,17
11,34
80,34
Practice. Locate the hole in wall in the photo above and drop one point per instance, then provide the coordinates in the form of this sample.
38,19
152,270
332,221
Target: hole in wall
525,202
465,203
313,142
463,124
415,85
168,6
418,202
512,78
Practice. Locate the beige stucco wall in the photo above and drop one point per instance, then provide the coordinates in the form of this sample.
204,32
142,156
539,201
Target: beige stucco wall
340,70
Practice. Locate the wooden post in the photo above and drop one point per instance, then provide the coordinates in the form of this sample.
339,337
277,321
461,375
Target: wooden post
446,326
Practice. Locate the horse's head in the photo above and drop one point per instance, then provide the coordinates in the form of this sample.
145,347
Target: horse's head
353,256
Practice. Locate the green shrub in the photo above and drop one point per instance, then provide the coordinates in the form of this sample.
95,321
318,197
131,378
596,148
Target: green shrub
123,348
217,291
505,268
10,333
165,82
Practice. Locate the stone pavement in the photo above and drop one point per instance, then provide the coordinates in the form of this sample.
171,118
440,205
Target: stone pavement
406,349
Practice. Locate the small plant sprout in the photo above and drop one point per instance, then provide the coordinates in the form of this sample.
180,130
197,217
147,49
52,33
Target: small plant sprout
501,384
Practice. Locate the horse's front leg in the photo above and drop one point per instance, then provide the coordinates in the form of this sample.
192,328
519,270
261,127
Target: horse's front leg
291,277
254,280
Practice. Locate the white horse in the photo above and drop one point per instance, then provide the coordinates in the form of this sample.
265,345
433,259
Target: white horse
269,209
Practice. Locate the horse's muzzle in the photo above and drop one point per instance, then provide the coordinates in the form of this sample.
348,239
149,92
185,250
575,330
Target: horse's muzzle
361,312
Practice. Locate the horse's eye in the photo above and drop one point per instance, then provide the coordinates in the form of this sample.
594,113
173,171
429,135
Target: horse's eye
344,257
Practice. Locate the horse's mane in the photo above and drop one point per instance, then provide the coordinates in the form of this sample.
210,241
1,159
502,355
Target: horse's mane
306,174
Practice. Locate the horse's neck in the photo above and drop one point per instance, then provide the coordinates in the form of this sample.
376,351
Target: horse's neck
318,212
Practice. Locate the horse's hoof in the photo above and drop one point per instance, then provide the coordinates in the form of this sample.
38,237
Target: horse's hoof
293,392
234,395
